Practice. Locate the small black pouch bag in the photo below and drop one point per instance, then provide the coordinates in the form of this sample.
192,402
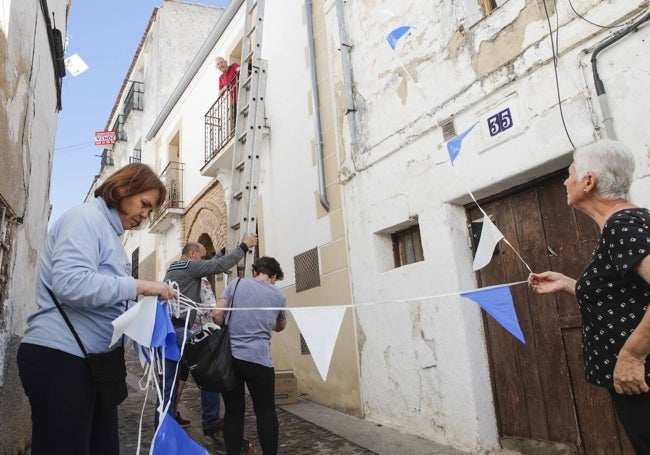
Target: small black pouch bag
107,369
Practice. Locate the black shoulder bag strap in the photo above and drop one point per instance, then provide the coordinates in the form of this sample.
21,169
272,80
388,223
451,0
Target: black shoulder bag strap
67,321
232,300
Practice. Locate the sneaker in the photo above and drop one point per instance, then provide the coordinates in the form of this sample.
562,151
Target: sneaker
181,421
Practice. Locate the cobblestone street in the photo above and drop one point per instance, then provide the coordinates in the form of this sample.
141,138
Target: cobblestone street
297,436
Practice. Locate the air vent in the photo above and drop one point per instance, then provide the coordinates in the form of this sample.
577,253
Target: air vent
307,272
448,129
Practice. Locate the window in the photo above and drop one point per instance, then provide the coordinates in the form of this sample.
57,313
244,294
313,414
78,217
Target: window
407,246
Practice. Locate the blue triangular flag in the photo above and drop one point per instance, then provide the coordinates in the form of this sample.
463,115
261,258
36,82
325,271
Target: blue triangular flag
163,334
171,439
453,146
497,301
396,34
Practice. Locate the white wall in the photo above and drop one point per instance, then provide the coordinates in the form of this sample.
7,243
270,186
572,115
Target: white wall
424,366
27,128
289,178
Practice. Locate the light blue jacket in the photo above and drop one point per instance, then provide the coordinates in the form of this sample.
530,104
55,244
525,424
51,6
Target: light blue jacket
84,263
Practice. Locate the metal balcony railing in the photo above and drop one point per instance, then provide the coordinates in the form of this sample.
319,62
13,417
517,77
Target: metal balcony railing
136,157
172,177
134,98
118,127
220,120
107,159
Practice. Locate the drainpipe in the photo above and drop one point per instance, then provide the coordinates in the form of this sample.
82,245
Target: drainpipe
350,109
314,95
600,87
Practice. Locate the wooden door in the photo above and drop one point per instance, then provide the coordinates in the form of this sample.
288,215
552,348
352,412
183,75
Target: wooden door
539,388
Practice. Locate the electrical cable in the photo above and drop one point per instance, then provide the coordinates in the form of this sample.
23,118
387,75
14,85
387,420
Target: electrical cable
554,50
590,22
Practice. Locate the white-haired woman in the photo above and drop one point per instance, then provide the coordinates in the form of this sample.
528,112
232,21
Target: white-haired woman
614,291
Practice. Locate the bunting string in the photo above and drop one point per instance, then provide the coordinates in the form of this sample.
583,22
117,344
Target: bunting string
198,306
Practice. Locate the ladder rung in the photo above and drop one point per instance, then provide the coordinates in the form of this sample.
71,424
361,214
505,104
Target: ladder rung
238,195
240,166
251,31
244,110
247,83
235,226
252,7
248,57
242,137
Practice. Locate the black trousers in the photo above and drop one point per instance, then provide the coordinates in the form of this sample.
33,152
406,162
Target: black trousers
633,411
62,397
260,381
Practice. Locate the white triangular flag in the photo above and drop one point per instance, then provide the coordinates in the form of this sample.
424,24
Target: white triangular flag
137,322
320,328
75,65
490,236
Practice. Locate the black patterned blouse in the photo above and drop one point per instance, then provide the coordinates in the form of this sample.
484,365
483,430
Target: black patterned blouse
612,297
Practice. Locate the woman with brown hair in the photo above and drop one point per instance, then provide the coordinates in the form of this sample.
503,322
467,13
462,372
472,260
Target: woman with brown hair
84,275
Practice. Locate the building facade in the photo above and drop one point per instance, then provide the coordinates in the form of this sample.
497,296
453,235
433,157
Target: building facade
358,200
31,81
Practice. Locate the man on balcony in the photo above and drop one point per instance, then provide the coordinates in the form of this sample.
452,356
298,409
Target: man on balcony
228,81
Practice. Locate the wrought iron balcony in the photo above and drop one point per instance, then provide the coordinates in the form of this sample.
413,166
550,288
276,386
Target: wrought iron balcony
118,127
220,121
172,208
134,98
136,157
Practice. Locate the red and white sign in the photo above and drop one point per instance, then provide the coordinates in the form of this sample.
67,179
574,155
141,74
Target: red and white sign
105,137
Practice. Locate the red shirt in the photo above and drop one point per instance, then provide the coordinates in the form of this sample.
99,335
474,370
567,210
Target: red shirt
229,78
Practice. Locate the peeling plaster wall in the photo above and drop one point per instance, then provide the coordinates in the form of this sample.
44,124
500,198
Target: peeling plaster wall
28,122
424,367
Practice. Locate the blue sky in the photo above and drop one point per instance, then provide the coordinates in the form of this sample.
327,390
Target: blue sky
106,35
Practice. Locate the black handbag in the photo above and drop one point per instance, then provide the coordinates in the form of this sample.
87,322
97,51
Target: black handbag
208,356
107,369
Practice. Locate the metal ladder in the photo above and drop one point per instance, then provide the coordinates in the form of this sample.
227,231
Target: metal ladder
249,128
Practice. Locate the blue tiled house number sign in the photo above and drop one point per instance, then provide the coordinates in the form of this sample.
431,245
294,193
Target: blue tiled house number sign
500,122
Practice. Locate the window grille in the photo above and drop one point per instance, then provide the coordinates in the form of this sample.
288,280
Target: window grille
306,270
304,349
448,129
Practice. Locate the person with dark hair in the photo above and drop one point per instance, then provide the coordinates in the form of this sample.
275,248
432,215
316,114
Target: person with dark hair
85,267
614,290
250,341
187,273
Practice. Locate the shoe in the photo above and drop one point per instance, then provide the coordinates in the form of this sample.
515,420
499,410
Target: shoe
213,429
181,421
